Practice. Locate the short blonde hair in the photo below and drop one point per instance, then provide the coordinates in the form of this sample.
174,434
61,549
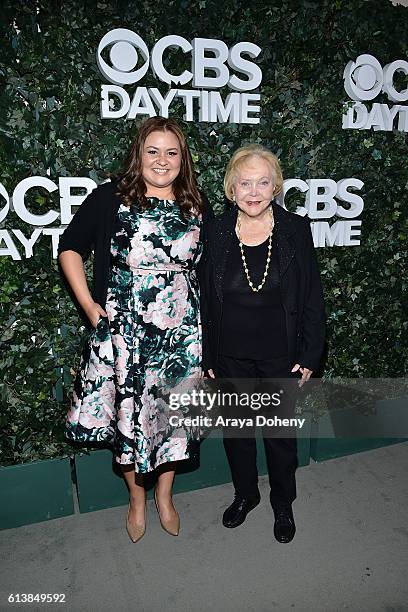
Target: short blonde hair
243,155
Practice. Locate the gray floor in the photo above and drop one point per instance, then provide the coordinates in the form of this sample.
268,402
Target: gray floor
350,551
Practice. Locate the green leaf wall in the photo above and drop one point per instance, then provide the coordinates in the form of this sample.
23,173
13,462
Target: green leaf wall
49,119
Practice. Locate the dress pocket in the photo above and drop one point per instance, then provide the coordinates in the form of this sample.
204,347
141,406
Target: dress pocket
100,320
101,342
101,327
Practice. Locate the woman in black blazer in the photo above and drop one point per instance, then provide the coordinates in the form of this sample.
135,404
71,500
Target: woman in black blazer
147,230
263,315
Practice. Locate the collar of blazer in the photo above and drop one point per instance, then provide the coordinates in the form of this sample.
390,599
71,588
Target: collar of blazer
224,232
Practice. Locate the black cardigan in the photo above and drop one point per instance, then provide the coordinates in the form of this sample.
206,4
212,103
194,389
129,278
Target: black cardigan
91,230
302,294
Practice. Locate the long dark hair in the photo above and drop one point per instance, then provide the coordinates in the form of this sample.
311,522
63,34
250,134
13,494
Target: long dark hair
131,186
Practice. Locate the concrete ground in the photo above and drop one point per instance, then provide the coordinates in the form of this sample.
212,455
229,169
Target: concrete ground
350,551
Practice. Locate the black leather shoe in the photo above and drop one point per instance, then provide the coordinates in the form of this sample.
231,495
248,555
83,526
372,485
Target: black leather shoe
237,512
284,528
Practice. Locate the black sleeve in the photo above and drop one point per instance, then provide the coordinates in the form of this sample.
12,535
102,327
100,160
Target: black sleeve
313,321
202,272
80,234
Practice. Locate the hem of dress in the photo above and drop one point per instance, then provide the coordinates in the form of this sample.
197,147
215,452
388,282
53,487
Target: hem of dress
185,458
109,443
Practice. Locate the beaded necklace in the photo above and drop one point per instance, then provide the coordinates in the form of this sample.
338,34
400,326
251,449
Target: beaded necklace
268,258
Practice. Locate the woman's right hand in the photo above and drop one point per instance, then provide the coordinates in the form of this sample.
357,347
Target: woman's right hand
94,312
211,373
73,268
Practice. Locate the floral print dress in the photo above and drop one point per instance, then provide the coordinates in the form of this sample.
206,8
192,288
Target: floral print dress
152,333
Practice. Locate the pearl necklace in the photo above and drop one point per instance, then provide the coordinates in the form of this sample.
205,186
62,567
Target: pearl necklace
268,259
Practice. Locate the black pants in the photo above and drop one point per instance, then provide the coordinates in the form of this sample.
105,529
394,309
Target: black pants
281,453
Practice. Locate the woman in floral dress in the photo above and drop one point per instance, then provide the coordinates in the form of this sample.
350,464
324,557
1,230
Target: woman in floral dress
147,230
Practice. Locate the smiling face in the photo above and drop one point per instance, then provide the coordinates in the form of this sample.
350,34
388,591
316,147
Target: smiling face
161,162
254,186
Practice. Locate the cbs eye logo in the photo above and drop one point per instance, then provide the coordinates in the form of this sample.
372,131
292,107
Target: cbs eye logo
124,55
206,54
365,78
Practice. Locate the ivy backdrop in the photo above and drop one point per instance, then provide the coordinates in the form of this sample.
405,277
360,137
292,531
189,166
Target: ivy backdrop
49,119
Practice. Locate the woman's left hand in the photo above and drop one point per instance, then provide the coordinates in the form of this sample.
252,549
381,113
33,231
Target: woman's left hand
306,373
210,374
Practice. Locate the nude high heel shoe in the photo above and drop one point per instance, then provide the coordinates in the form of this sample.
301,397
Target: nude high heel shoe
172,526
135,532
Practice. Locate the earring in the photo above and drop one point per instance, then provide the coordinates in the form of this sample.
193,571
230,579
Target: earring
233,198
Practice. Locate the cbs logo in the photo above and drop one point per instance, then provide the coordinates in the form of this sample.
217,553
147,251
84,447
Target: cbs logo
365,78
124,57
125,46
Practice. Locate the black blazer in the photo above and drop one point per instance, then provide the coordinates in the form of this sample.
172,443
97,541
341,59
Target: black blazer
90,230
301,288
